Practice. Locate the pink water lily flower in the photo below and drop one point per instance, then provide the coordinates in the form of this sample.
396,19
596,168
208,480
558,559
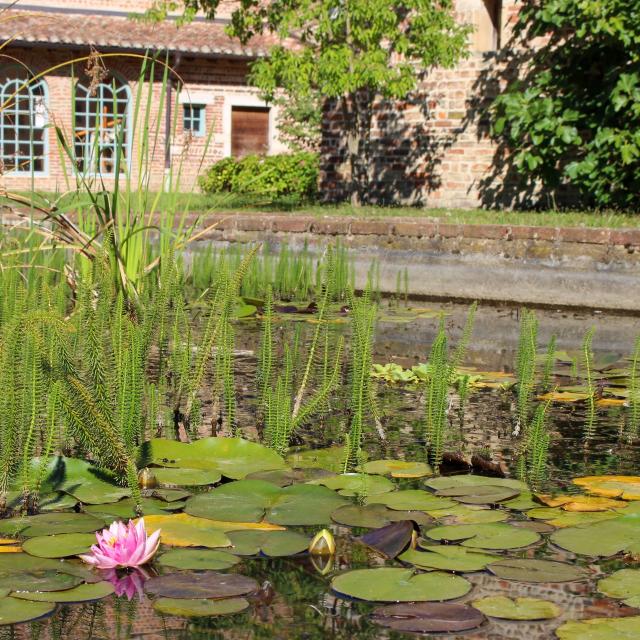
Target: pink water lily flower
123,546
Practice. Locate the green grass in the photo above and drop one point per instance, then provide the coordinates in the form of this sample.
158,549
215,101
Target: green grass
209,203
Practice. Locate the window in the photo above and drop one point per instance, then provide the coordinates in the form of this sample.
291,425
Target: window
193,118
23,118
488,31
101,126
249,130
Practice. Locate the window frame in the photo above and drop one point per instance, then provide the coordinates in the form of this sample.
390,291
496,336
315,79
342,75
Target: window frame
201,118
12,78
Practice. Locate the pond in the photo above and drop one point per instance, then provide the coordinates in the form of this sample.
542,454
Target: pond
465,537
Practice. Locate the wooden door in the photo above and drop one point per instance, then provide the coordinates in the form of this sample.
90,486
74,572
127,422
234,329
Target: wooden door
249,130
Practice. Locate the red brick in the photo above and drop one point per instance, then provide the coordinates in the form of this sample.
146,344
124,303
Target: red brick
447,230
292,224
253,223
584,235
416,229
332,227
625,237
371,227
491,231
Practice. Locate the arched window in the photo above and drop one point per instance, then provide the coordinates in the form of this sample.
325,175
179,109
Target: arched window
101,126
23,118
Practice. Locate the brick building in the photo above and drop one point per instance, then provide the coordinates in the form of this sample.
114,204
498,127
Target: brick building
434,149
208,109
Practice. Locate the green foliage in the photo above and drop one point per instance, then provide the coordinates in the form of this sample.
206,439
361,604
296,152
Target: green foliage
574,117
273,177
586,354
299,121
634,391
549,363
535,453
526,367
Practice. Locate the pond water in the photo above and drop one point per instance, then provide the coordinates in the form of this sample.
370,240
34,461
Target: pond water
296,601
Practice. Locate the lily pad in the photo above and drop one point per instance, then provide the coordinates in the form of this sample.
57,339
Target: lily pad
391,584
464,514
448,558
517,608
411,500
16,563
485,536
233,457
601,629
428,617
57,501
126,509
581,503
331,459
398,468
391,540
532,570
14,611
356,484
170,495
59,546
38,580
186,477
622,585
268,543
198,559
181,530
374,516
561,519
624,487
469,480
481,494
193,608
50,524
204,584
523,502
255,500
81,593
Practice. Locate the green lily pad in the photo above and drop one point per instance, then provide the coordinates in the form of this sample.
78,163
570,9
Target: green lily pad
255,500
463,514
38,580
59,546
13,563
374,516
285,477
428,617
192,608
398,468
356,484
523,502
81,593
601,629
170,495
468,480
391,584
517,608
622,585
481,494
182,530
14,611
331,459
198,559
532,570
602,538
411,500
485,536
126,509
50,524
186,477
57,501
560,518
268,543
233,457
447,558
204,584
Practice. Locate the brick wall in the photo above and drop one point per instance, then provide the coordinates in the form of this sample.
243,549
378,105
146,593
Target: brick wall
433,148
218,83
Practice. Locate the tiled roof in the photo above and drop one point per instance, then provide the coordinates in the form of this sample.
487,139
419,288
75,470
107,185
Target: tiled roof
109,31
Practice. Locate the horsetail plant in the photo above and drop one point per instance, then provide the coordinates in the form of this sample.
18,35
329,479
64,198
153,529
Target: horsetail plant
634,391
586,357
525,368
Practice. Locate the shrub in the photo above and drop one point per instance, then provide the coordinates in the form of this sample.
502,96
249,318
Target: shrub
273,177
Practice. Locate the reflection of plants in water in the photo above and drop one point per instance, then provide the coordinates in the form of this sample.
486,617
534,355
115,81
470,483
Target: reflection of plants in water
549,363
586,356
525,367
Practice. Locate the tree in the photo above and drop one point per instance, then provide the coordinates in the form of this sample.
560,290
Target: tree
347,50
572,115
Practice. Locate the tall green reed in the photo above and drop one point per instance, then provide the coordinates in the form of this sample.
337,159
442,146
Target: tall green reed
525,368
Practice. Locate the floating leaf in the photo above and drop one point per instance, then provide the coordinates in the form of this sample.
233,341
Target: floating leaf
38,580
428,617
255,500
17,563
268,543
411,500
198,559
204,584
81,593
50,524
560,518
481,494
485,536
391,584
14,611
625,487
357,484
331,459
469,480
517,608
563,396
181,530
601,629
170,495
463,514
126,509
57,501
59,546
192,608
523,502
447,558
186,477
374,516
532,570
581,503
391,540
398,468
622,585
233,457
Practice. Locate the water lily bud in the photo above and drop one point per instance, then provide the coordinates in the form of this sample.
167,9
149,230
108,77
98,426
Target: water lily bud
323,544
147,479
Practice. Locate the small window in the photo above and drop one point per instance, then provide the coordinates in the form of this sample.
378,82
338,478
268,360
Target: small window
193,118
249,131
